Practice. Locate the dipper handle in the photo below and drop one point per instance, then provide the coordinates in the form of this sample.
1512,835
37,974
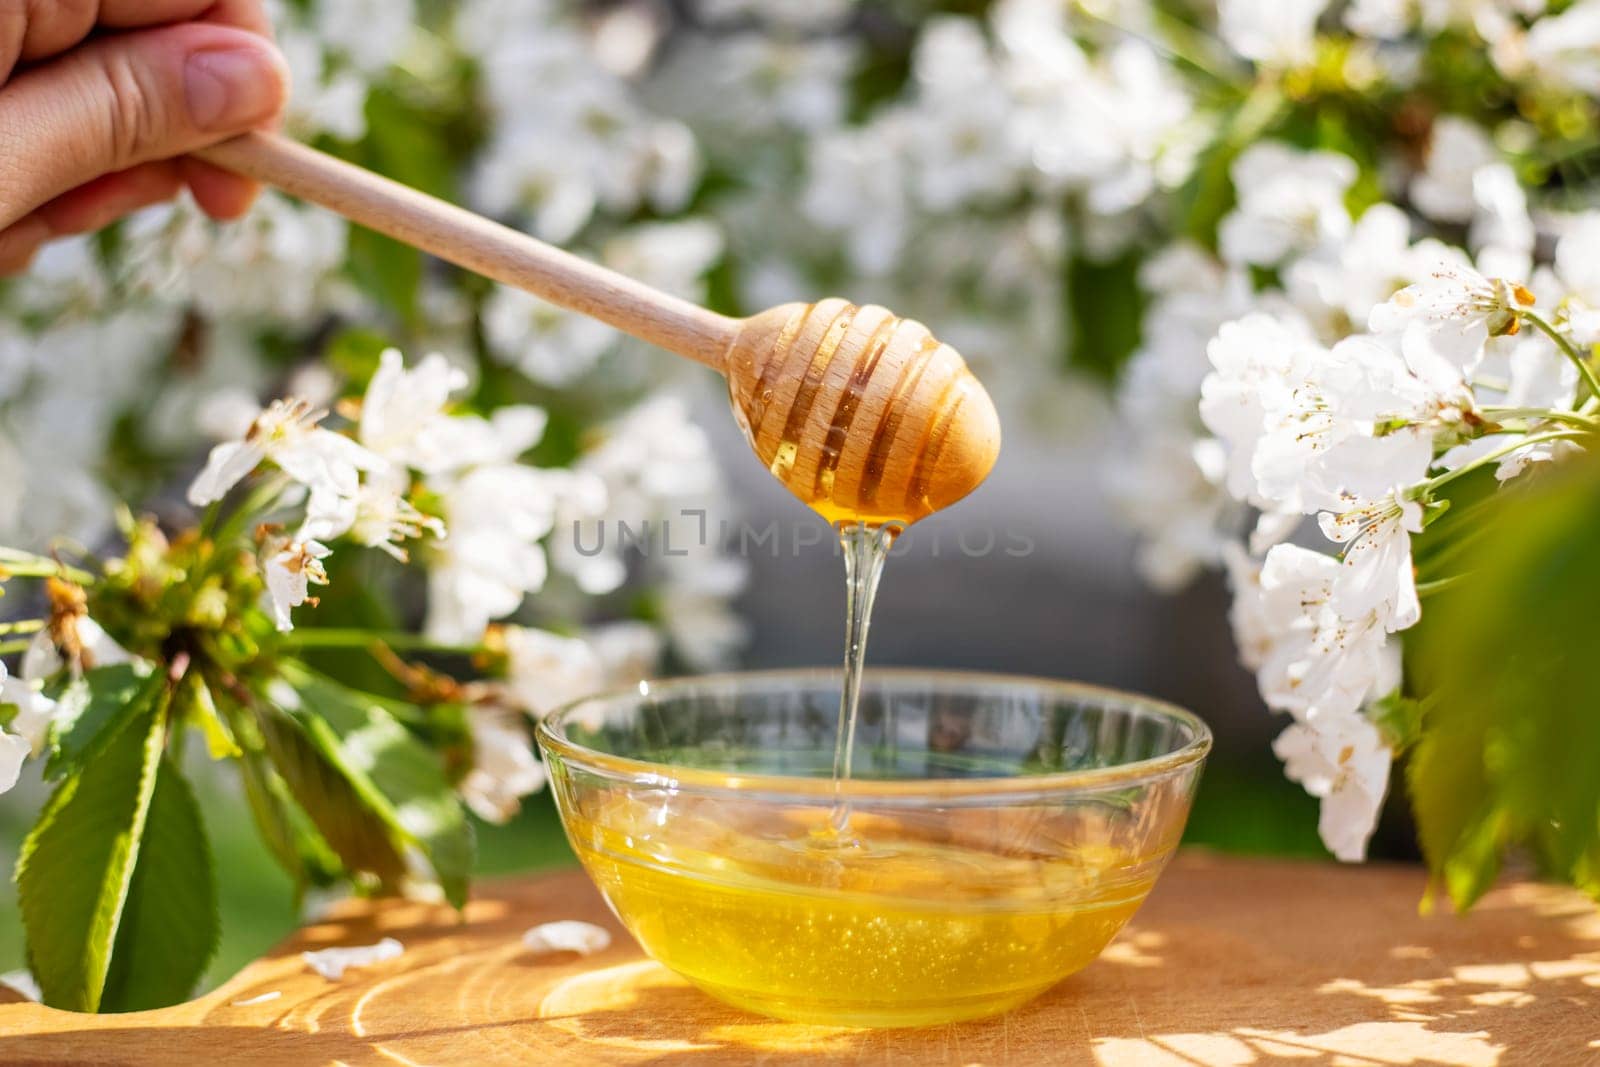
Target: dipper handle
479,245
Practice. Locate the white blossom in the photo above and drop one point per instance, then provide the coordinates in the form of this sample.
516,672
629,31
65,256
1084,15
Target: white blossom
1531,456
743,84
588,145
1446,320
1274,33
335,52
1167,476
629,652
1384,19
277,263
1512,463
696,610
1255,629
1539,375
57,426
290,568
217,395
402,407
855,186
65,277
323,97
1457,149
1564,49
957,133
386,520
546,670
1577,267
567,935
581,548
30,721
1336,285
505,767
404,420
653,458
286,433
378,516
95,648
15,744
1502,234
1310,660
496,516
672,256
331,963
1322,448
550,345
1105,126
370,34
1167,486
1378,579
1257,362
1288,200
1343,761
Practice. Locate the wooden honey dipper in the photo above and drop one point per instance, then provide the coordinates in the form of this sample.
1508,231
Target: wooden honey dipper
861,414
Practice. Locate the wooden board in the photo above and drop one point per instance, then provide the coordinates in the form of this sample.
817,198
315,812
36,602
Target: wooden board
1231,962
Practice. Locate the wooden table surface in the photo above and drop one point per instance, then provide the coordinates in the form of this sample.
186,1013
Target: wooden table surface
1231,961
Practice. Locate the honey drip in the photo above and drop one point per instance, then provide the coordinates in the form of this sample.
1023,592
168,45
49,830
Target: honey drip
853,410
863,415
878,916
865,550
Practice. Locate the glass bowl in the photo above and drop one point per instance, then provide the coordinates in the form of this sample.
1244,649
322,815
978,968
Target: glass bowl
1000,832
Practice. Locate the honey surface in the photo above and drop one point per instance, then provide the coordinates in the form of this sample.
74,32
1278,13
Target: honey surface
887,929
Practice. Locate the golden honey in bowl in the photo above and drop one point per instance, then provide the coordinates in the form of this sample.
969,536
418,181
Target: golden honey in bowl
915,899
899,928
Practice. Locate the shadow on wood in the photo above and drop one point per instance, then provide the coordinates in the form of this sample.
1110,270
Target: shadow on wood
1231,962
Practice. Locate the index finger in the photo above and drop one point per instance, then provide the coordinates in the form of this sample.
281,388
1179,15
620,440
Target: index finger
139,14
135,14
31,31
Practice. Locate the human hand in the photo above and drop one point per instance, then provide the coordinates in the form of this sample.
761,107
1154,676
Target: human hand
101,99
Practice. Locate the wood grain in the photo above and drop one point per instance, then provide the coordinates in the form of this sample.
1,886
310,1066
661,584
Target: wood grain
479,244
860,413
876,419
1231,962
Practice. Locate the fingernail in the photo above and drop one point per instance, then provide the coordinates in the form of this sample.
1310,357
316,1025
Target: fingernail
232,89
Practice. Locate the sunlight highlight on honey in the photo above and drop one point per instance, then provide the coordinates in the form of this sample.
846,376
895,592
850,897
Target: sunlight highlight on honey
897,929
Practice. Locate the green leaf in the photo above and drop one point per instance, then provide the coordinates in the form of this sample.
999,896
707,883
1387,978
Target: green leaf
285,826
77,863
195,706
170,928
339,800
354,352
1399,717
93,703
1447,781
1106,304
388,271
1507,755
419,803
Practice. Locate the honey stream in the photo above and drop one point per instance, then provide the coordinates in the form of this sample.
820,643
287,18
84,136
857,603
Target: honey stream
866,547
880,916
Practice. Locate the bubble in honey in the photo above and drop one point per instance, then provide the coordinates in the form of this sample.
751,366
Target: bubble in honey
783,460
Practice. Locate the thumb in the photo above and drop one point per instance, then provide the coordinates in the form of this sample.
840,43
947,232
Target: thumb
129,99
